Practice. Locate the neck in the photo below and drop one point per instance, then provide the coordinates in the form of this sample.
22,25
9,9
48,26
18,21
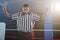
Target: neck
25,13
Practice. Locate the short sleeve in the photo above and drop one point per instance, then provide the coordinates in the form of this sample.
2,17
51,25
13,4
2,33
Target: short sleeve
36,17
14,16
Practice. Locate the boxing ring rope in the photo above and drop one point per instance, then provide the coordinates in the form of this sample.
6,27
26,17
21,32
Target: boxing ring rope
36,30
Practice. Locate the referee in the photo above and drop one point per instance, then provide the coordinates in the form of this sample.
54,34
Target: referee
25,21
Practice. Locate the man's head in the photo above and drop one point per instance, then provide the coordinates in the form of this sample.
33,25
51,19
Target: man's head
25,8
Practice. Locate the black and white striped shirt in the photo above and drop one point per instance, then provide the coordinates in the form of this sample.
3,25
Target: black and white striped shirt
25,22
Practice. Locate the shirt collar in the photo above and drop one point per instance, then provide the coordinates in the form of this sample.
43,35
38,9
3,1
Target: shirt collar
25,13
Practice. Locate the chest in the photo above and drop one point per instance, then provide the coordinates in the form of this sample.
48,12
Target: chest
25,17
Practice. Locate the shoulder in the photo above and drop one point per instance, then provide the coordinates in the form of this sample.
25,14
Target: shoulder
31,13
17,14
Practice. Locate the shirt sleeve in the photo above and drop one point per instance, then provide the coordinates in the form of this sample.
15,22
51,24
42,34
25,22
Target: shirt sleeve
36,17
14,16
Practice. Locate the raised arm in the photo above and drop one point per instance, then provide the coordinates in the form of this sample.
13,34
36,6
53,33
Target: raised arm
43,14
4,7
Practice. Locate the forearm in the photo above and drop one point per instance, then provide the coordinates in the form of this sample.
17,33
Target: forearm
44,12
7,13
4,7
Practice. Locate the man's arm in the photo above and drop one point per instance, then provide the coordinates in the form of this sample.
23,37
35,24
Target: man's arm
43,14
4,6
37,18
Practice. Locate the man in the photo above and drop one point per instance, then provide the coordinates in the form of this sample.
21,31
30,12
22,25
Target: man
25,21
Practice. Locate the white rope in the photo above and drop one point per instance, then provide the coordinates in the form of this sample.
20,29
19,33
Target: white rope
37,30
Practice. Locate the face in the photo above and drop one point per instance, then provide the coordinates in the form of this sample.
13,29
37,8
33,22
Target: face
26,9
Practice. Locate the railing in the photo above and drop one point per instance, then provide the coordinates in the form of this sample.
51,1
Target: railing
33,34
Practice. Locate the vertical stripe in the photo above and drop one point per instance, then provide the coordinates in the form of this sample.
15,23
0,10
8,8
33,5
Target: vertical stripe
29,22
19,23
25,22
22,22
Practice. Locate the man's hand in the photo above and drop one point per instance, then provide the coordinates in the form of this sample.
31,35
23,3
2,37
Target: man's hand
4,6
43,14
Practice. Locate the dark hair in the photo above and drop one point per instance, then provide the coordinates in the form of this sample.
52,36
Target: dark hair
25,5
